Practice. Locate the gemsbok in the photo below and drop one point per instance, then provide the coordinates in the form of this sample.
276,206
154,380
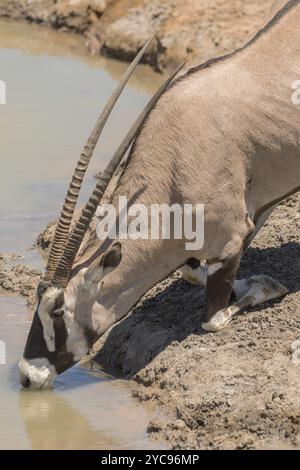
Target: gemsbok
225,134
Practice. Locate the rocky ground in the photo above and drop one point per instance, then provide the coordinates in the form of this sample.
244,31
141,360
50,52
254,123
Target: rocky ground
15,278
118,28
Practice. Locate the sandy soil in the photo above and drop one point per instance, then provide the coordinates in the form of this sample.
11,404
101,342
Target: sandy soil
118,28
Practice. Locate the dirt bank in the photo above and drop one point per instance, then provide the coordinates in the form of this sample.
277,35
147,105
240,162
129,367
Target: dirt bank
118,28
15,278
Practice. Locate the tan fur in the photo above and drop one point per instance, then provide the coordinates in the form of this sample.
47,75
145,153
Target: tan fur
227,136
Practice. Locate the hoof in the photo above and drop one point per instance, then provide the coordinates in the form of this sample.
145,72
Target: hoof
219,321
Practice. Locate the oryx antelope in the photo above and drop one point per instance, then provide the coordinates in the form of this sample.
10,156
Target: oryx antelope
225,134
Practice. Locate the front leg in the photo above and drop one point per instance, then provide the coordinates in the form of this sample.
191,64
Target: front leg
220,282
248,292
257,290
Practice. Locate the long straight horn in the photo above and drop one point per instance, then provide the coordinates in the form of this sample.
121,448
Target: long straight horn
64,267
64,223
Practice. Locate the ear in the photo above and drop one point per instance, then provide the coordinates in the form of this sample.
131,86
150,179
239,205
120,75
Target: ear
109,261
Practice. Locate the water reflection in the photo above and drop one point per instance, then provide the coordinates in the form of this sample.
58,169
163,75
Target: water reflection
52,423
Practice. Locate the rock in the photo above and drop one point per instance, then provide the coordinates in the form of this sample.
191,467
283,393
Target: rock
98,5
18,279
155,426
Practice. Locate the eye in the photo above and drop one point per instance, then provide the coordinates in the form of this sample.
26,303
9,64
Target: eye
58,306
57,313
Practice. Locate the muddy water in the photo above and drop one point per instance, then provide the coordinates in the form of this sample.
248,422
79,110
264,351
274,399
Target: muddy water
54,94
84,411
55,91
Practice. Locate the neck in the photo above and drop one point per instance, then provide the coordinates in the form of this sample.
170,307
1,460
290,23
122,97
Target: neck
144,264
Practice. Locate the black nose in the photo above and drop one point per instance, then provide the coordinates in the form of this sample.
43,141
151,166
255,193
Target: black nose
25,382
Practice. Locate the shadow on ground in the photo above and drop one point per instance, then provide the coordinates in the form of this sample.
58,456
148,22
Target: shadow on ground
172,311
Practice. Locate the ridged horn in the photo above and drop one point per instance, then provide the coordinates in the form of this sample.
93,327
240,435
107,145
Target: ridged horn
63,270
65,219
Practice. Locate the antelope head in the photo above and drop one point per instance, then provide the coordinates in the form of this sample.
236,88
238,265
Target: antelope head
62,331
